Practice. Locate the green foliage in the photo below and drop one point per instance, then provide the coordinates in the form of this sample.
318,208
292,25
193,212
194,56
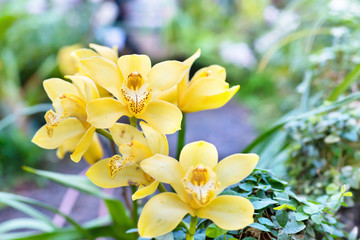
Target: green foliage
323,151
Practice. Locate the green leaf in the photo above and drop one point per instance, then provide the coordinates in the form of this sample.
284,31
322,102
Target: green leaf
121,219
28,223
348,194
21,200
260,227
345,84
283,236
77,182
263,203
282,217
266,221
118,213
317,218
7,199
168,236
300,216
214,231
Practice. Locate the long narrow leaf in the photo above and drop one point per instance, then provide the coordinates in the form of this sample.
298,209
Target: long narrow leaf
77,182
21,199
345,84
25,208
118,213
24,223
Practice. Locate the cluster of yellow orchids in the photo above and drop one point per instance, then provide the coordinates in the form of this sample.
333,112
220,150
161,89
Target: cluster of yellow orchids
100,88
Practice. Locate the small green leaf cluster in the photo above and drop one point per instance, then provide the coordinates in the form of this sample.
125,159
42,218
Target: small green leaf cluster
324,152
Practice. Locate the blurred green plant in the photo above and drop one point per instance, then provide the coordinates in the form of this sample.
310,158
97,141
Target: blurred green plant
324,151
29,41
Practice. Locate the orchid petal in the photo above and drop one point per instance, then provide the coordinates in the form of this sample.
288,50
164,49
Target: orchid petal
98,173
157,142
125,133
161,214
165,75
229,212
134,63
104,112
55,87
144,191
162,116
105,73
196,153
235,168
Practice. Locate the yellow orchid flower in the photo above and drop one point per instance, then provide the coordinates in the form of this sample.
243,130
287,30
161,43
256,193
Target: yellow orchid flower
106,52
135,85
67,128
206,90
198,179
67,64
124,170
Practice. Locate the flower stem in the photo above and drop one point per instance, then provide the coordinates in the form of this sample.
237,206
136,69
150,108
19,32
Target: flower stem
133,121
105,134
161,188
181,136
135,206
192,230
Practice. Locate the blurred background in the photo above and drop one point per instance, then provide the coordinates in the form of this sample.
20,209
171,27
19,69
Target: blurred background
288,56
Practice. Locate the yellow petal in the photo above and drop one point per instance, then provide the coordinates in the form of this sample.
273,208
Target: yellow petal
105,73
182,85
98,173
200,152
166,74
167,170
139,150
55,87
169,95
162,116
68,145
83,144
235,168
83,53
134,63
67,64
125,133
104,112
85,86
66,129
229,212
144,191
157,142
161,214
106,52
211,71
206,93
94,152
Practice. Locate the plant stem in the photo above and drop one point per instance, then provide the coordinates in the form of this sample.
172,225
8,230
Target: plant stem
161,188
105,134
135,206
192,230
184,225
133,121
181,136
